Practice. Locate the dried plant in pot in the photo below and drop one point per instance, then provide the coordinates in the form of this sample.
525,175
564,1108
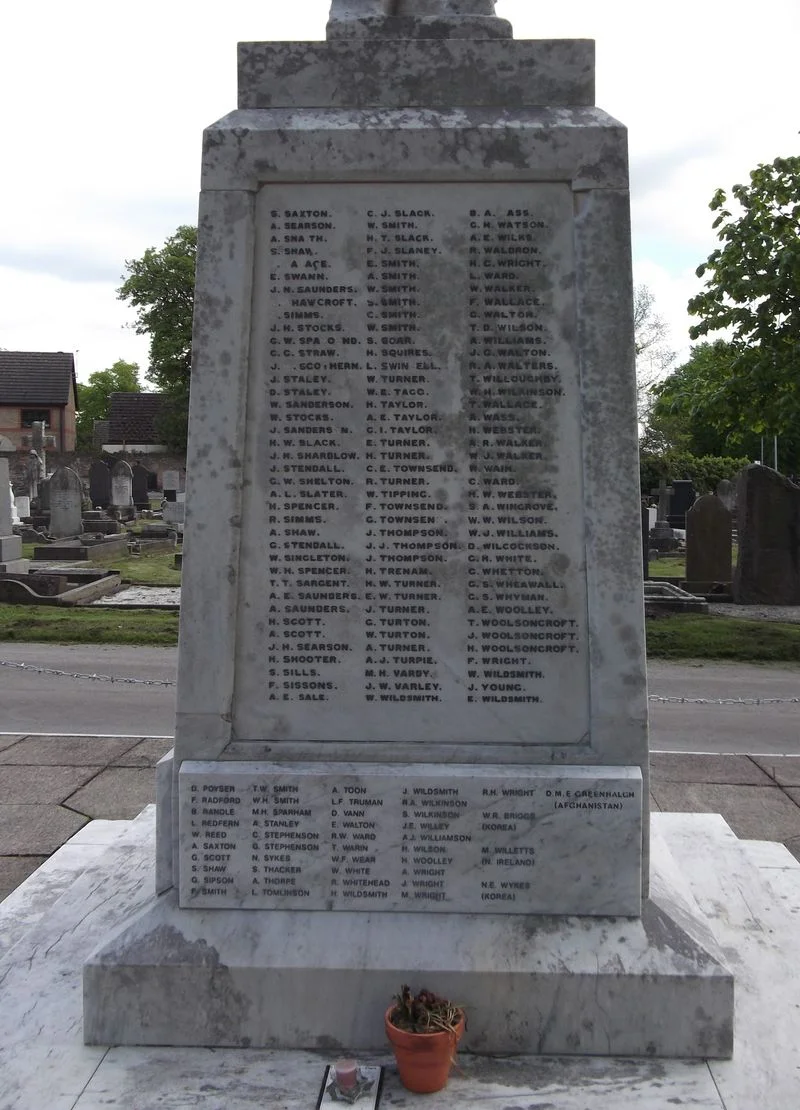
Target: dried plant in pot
424,1031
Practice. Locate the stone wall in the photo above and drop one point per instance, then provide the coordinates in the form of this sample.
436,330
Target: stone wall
81,462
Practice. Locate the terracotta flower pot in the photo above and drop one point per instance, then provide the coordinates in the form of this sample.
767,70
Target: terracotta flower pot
423,1059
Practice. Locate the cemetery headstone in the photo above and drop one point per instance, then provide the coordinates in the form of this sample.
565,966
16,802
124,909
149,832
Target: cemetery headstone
99,484
709,534
683,497
12,502
664,494
173,512
139,481
44,495
122,488
11,560
726,492
768,564
66,502
662,538
171,484
23,506
412,710
35,474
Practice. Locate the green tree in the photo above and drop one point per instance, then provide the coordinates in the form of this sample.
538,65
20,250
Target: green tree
160,286
122,377
752,291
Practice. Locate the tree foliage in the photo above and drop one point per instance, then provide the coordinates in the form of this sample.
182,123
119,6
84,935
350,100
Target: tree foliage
694,411
704,471
752,291
160,286
122,377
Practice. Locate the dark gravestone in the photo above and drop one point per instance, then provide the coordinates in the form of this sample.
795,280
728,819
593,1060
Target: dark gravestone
99,484
709,527
768,568
726,492
44,496
662,538
140,478
645,542
683,496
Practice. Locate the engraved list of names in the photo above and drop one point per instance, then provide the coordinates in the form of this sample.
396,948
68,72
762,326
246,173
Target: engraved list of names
413,559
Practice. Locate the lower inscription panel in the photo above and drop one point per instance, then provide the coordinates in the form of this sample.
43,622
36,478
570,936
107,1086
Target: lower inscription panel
424,837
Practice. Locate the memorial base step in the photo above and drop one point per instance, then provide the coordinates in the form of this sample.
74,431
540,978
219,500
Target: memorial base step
650,986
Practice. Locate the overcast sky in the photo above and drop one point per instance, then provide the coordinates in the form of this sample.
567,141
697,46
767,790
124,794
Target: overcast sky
104,106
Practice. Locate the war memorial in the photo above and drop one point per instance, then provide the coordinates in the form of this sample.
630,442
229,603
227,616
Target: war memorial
411,736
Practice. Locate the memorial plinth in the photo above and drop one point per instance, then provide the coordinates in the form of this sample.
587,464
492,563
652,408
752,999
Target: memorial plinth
411,694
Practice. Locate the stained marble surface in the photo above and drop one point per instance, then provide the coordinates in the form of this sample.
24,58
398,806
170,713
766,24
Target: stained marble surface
410,837
751,893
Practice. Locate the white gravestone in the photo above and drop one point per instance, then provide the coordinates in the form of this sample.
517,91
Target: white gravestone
23,504
10,545
412,667
121,485
15,518
66,498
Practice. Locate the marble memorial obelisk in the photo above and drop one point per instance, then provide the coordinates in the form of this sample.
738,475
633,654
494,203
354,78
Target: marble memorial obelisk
411,737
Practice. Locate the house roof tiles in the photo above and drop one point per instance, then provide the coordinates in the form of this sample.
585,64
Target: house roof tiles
37,378
132,416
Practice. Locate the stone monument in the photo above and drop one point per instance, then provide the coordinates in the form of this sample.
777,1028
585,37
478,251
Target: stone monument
768,566
11,561
139,486
709,535
99,484
122,490
411,739
66,501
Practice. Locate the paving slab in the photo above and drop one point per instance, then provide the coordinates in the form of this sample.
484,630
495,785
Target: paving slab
15,870
8,739
81,751
120,792
793,844
753,812
146,753
737,770
36,830
784,769
44,1064
37,785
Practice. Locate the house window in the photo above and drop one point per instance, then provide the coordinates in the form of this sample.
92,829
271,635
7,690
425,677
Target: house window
29,416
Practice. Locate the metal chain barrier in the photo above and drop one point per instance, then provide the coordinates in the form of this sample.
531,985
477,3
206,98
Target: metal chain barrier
94,677
166,682
722,701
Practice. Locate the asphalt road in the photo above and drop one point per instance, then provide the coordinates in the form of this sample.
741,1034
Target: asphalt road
31,701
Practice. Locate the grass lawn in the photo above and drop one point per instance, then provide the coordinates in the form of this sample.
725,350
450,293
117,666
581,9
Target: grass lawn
136,570
668,566
698,636
674,636
50,624
144,570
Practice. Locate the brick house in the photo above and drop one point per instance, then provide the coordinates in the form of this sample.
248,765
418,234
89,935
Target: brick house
38,385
